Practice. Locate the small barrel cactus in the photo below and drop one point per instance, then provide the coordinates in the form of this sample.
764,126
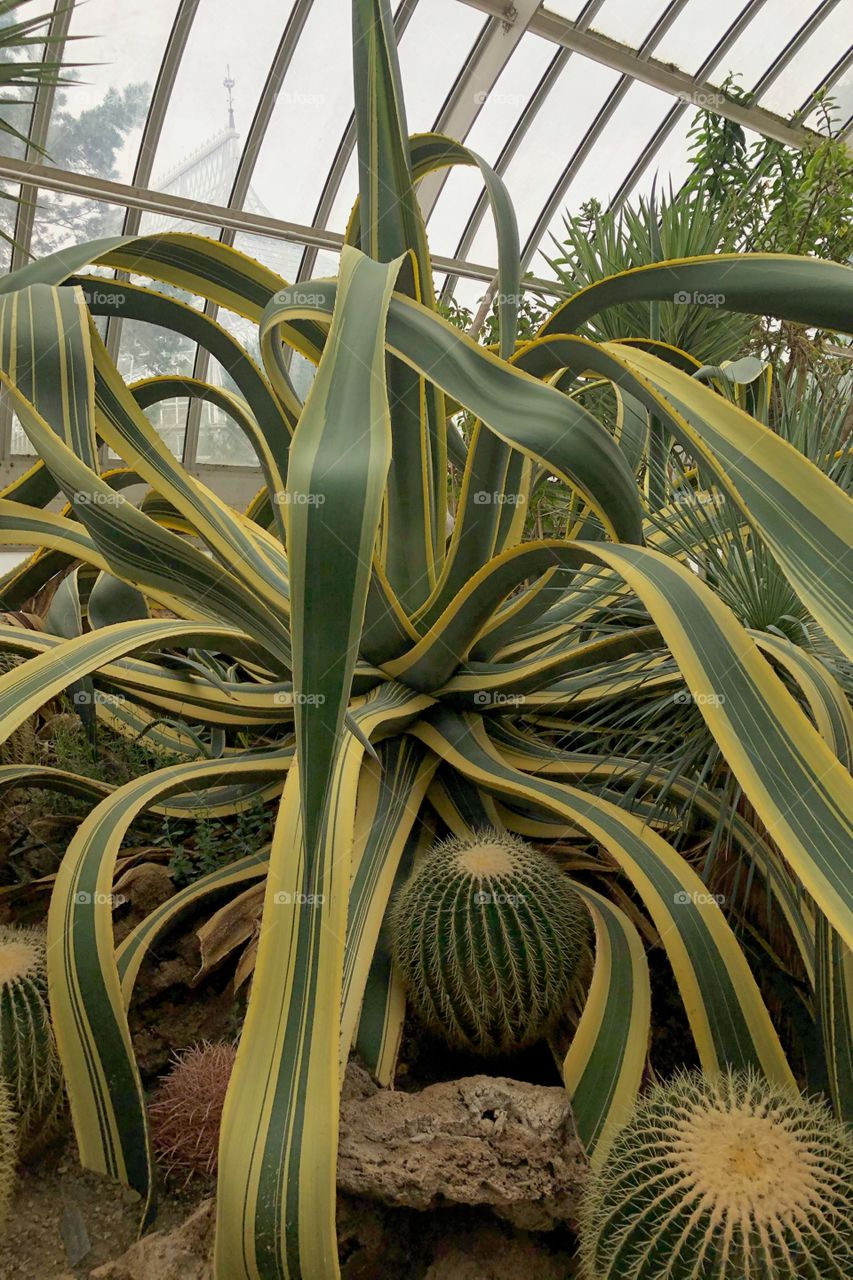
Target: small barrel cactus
186,1109
29,1061
724,1178
8,1149
487,935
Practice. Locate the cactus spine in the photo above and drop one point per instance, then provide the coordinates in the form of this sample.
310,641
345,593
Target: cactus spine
724,1178
8,1149
487,935
29,1062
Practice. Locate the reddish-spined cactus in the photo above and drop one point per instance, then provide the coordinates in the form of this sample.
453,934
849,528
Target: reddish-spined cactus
186,1109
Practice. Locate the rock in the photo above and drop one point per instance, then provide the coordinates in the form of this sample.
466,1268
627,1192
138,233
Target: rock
483,1140
182,1254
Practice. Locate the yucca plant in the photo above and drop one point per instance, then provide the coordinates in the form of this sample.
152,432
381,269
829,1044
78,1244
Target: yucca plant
378,677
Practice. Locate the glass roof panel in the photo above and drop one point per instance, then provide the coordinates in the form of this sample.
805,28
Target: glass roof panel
97,123
498,115
433,50
812,63
313,106
761,43
556,131
62,219
628,21
669,165
197,122
695,31
841,94
604,169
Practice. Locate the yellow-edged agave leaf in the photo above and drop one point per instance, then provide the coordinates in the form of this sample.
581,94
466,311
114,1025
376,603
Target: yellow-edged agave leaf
834,994
276,1203
277,1157
804,517
390,793
604,1066
728,1018
234,542
135,547
532,417
807,290
27,687
825,697
45,352
802,793
104,1089
383,1007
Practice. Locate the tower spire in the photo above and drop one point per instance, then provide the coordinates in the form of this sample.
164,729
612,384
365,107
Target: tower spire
228,83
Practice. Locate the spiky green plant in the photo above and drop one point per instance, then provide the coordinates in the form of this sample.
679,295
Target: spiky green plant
29,1062
390,675
8,1148
722,1178
488,934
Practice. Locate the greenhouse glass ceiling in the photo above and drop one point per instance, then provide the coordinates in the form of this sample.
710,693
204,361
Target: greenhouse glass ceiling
236,120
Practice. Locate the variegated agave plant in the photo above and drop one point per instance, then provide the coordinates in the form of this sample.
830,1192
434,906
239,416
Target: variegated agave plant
395,672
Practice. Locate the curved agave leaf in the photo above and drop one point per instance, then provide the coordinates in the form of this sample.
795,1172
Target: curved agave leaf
727,1016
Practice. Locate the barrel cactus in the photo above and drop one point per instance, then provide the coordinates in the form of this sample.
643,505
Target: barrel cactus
29,1062
724,1178
186,1109
487,935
